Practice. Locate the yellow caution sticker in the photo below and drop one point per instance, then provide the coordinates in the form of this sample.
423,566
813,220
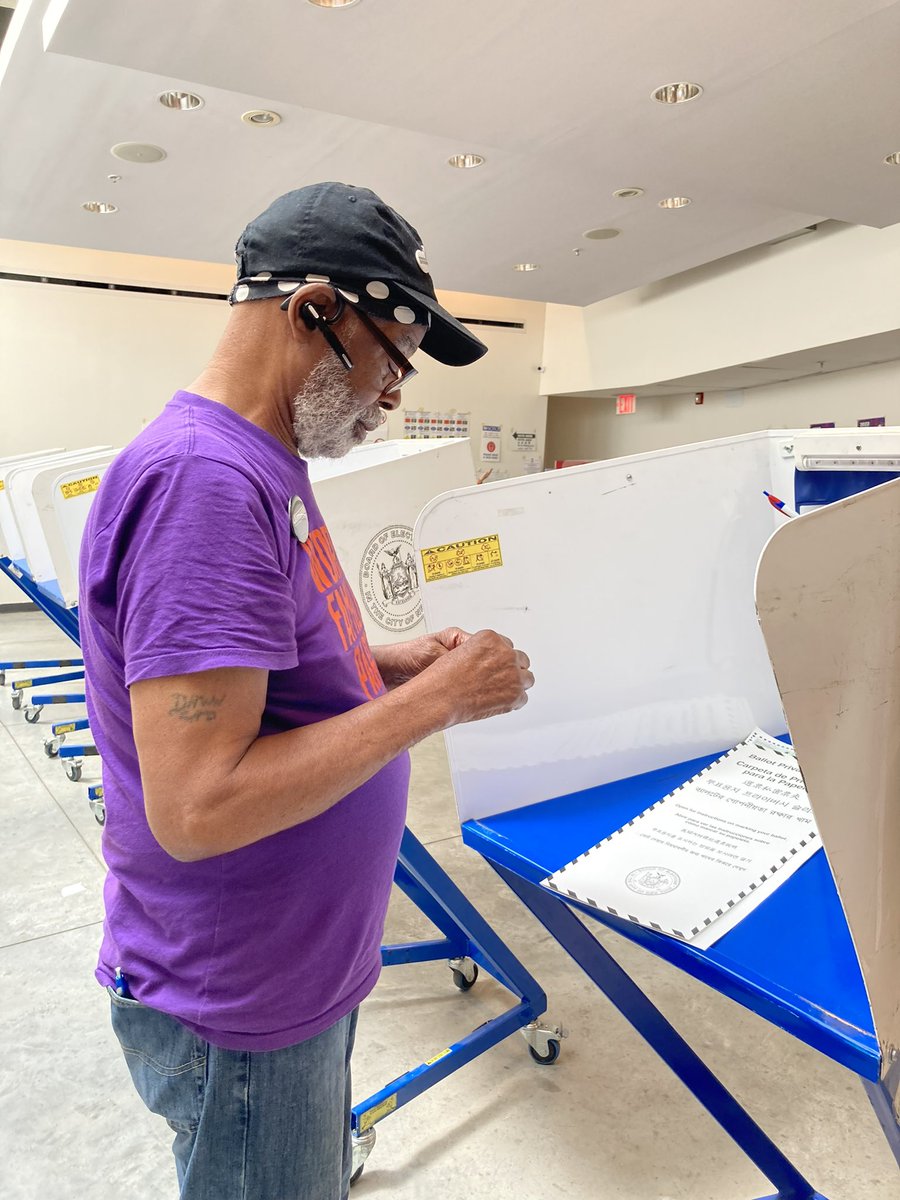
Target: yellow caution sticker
462,558
429,1062
368,1119
80,487
2,485
64,729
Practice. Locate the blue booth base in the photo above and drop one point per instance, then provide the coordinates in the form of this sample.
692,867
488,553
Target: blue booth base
791,960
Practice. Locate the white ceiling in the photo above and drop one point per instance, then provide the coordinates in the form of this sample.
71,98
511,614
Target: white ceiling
798,113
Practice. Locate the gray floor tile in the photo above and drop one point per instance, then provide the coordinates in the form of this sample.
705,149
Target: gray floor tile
73,1127
49,879
71,797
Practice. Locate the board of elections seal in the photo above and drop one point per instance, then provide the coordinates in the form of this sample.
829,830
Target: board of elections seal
389,579
652,881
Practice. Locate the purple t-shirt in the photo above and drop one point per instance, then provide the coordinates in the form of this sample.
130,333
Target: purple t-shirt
189,562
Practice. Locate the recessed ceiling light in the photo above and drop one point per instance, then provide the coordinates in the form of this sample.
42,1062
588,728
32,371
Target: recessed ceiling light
261,118
526,267
677,93
893,159
675,202
628,193
465,161
138,152
99,206
334,3
180,100
601,235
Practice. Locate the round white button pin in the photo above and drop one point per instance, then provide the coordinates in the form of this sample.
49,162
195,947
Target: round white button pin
299,519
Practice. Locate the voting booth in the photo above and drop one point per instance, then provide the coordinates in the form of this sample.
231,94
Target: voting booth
370,500
630,584
44,503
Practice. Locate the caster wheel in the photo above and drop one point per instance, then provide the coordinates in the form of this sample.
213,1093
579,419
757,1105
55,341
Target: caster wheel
51,747
460,980
33,714
17,700
550,1057
363,1144
100,817
73,770
2,678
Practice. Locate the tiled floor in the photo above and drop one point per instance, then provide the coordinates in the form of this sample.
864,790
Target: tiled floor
607,1121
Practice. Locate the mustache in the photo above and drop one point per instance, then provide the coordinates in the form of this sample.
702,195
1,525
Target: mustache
372,418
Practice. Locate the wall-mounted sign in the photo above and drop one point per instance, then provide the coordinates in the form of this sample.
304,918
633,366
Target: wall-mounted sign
626,404
525,441
490,443
421,424
869,422
823,425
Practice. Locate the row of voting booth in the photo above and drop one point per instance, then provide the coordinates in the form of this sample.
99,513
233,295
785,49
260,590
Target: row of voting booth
668,609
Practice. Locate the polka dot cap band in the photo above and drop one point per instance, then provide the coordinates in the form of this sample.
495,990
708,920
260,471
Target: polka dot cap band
349,238
374,296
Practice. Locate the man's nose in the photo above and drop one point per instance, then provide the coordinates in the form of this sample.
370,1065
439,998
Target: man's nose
390,400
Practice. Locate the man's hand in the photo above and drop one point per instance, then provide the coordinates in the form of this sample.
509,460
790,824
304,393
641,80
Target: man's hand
405,660
481,676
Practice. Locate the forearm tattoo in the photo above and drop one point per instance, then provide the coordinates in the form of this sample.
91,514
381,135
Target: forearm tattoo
195,708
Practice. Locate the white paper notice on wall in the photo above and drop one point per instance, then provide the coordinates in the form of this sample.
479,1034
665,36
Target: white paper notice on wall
490,443
698,861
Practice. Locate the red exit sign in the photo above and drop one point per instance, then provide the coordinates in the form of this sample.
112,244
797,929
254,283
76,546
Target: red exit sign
625,404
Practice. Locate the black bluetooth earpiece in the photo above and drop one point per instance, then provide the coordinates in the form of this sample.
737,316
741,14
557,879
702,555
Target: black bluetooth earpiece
310,315
313,319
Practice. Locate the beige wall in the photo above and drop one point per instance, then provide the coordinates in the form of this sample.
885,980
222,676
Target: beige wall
81,366
502,388
839,283
584,428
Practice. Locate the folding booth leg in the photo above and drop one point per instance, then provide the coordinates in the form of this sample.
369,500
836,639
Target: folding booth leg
466,936
436,895
881,1102
559,919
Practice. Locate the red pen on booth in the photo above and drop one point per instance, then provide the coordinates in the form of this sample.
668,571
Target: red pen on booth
778,504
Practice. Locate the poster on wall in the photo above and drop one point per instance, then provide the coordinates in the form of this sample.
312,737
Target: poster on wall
490,443
823,425
869,422
421,424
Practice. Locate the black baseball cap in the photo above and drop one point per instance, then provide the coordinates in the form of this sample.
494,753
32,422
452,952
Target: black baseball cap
348,237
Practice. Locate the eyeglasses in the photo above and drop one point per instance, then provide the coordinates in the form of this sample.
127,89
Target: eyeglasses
401,364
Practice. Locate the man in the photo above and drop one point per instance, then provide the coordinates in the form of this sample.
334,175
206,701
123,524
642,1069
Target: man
254,745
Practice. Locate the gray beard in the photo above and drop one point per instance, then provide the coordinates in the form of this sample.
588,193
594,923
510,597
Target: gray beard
327,413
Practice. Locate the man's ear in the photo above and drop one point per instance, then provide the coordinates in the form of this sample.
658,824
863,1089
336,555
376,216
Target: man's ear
307,303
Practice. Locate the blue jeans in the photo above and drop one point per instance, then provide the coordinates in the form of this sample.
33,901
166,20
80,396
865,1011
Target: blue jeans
249,1125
